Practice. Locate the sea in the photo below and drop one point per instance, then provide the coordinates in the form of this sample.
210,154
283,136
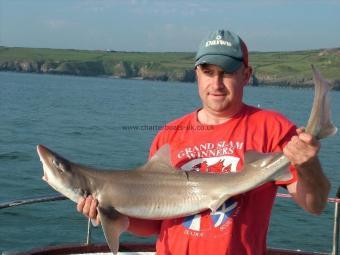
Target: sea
110,123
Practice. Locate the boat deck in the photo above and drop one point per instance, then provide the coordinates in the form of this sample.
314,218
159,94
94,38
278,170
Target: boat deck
129,249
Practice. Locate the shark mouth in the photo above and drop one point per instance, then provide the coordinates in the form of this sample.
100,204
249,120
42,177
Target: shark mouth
44,177
40,153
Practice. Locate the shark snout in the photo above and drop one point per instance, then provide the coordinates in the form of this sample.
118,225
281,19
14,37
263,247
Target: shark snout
42,150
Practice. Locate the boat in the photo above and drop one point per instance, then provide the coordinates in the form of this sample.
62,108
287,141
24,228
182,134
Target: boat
145,249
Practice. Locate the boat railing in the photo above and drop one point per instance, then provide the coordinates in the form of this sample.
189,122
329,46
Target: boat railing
336,201
42,199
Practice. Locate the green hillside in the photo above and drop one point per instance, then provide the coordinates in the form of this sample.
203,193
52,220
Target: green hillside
270,68
295,66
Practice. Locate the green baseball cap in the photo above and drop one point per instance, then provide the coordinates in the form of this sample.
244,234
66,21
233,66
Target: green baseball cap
224,49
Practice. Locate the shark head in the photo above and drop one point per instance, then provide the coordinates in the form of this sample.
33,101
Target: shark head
59,173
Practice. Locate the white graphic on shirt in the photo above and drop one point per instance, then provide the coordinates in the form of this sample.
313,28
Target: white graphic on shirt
223,164
219,217
210,150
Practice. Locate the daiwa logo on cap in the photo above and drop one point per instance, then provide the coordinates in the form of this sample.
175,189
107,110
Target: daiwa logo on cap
224,49
218,41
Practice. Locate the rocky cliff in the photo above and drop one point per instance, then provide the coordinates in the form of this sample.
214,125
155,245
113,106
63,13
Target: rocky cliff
99,68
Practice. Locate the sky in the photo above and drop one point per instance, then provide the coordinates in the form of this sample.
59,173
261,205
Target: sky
168,25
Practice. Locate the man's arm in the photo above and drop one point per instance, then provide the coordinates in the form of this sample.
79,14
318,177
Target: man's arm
311,189
88,207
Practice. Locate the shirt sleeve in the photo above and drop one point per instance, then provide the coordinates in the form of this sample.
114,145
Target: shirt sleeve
287,134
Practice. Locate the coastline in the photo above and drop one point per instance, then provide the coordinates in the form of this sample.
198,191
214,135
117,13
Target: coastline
282,84
284,69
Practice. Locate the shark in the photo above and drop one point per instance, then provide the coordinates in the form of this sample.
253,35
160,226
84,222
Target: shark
157,190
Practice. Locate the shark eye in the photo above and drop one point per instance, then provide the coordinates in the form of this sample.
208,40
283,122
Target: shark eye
58,165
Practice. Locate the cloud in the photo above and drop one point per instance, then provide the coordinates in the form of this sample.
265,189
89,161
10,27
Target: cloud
97,6
57,24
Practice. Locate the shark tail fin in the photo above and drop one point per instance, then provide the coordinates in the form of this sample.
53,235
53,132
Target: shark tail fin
320,124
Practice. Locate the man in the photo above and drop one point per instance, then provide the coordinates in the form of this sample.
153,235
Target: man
214,139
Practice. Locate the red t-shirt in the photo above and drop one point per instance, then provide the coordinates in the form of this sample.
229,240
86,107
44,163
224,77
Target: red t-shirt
240,225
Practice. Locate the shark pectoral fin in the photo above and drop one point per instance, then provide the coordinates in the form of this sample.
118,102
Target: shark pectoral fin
215,204
283,175
113,224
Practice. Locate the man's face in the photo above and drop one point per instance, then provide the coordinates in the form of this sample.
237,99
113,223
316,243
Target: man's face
221,93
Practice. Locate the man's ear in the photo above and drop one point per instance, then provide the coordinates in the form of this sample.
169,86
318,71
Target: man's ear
247,74
196,70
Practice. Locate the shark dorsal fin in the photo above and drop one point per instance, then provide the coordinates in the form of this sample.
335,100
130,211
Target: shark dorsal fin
258,159
163,154
160,161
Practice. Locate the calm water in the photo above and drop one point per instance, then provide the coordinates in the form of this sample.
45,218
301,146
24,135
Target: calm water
84,118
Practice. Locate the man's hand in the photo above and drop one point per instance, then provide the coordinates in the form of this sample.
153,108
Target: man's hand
88,207
311,189
302,150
